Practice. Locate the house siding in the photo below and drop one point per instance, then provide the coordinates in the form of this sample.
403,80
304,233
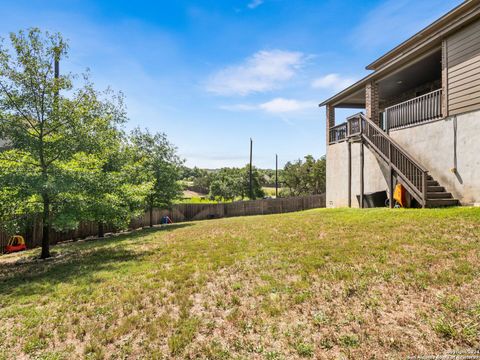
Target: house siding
463,70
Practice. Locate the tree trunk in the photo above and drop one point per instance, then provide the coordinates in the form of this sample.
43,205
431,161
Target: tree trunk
101,230
151,216
45,228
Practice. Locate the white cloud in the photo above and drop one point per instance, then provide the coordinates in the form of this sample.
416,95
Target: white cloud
333,82
239,107
263,71
255,3
281,105
275,106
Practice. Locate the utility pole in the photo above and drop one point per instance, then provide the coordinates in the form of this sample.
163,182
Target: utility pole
57,67
251,188
276,175
57,75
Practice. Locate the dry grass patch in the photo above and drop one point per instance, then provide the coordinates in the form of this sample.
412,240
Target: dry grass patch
318,284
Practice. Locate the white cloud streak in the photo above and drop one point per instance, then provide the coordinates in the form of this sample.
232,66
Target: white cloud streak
281,105
274,106
263,71
239,107
255,3
332,82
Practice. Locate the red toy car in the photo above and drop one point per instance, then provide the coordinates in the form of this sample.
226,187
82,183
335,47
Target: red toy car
16,243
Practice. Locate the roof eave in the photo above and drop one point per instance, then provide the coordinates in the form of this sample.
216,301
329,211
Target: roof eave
423,34
416,44
348,91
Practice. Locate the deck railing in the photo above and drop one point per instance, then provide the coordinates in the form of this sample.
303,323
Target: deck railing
414,176
338,133
414,111
354,126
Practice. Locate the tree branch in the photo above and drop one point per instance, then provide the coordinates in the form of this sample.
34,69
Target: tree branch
18,109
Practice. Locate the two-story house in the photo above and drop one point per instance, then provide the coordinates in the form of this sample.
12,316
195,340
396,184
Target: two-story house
418,122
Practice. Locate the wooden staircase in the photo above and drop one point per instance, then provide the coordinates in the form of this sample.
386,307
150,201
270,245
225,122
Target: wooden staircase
401,165
437,196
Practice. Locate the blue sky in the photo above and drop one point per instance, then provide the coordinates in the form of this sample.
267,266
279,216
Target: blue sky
212,74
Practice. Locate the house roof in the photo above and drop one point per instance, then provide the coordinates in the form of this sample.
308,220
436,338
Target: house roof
419,45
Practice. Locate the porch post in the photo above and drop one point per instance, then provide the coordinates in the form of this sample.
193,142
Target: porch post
349,147
362,161
444,79
372,102
390,187
330,120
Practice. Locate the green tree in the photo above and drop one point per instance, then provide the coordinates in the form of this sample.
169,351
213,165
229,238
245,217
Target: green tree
202,180
267,177
47,122
161,164
257,191
227,184
114,188
12,217
306,177
190,174
230,183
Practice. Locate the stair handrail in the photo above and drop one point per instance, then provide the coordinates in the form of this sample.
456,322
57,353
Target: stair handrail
405,152
397,157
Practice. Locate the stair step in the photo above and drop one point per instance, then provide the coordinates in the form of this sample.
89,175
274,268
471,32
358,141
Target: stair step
441,202
435,189
436,194
439,195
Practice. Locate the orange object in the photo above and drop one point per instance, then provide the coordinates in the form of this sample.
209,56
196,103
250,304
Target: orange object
400,195
16,243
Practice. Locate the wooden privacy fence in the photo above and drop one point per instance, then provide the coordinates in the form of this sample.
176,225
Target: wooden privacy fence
178,213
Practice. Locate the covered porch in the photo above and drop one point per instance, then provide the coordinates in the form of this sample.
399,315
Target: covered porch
409,96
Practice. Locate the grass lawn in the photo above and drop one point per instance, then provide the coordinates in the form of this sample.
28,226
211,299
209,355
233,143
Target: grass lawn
270,191
196,200
326,284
